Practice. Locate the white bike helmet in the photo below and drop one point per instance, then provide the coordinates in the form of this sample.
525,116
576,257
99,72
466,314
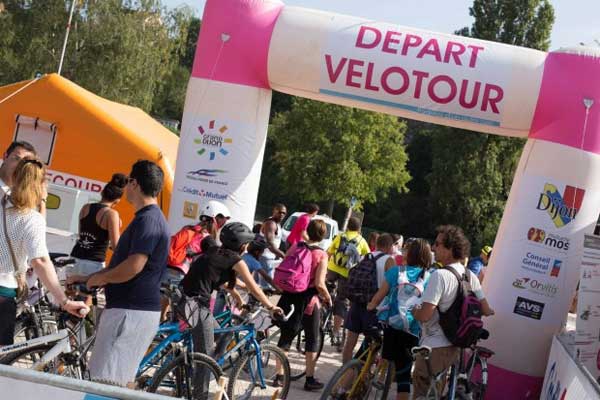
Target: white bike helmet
214,208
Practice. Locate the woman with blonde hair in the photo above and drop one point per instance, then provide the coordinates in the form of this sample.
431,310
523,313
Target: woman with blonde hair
22,241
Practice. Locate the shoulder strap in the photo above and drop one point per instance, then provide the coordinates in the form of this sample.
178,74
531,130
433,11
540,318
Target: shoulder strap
378,256
460,280
7,236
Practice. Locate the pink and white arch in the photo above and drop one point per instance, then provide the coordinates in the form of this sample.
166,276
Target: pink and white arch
248,47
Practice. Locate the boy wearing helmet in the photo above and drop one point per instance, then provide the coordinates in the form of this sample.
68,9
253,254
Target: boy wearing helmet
214,268
477,264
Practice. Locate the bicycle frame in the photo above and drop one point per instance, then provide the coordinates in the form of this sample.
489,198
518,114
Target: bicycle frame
248,341
176,335
63,345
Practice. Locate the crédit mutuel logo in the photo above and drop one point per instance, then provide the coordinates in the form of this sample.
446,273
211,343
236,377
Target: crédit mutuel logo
213,140
562,208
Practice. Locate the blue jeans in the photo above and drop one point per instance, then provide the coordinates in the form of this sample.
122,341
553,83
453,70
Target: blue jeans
268,265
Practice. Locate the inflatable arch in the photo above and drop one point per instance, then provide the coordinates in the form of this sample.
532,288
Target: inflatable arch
248,47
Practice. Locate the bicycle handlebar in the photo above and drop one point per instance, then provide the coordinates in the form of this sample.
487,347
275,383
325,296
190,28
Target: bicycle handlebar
82,288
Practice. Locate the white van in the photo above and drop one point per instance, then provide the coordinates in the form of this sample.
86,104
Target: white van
332,228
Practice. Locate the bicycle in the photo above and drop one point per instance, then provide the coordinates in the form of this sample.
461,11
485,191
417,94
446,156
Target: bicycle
463,381
250,363
62,353
367,376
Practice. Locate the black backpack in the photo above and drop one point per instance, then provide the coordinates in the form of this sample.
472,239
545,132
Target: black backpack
462,322
362,279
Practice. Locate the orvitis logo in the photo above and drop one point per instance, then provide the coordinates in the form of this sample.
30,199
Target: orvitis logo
562,208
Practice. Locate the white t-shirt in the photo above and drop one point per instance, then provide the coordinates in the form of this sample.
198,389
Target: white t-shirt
27,230
380,264
4,188
441,291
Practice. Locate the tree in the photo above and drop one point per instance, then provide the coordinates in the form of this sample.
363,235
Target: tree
330,153
472,173
118,49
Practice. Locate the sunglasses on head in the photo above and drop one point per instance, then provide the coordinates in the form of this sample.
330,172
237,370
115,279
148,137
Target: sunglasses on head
33,161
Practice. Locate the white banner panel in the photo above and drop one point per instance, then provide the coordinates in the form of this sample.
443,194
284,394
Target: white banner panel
220,151
429,76
564,379
587,338
531,281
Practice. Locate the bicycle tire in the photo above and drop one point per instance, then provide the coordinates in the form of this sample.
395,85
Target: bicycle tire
70,370
242,369
162,380
331,391
382,389
478,389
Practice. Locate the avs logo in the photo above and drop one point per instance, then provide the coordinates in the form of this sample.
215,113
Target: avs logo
554,241
529,308
562,208
213,141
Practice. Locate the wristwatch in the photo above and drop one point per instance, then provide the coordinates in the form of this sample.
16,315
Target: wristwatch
64,303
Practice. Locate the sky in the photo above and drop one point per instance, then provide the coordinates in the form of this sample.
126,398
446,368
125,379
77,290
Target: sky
577,21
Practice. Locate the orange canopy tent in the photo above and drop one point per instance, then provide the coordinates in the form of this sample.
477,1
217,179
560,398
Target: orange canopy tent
86,138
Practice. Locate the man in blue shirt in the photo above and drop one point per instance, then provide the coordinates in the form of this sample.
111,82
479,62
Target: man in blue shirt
132,282
477,264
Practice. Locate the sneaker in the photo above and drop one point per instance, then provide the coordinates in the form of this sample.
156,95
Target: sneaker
278,381
313,384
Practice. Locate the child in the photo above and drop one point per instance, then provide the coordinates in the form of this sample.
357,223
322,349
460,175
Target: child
398,343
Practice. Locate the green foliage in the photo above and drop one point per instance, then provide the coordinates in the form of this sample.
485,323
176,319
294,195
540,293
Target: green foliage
124,50
329,153
471,174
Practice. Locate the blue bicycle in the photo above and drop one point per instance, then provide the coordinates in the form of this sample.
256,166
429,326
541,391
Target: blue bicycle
174,361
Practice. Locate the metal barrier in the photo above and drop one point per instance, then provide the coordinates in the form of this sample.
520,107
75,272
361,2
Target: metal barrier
17,383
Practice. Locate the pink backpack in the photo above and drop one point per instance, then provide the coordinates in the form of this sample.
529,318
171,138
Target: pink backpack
293,274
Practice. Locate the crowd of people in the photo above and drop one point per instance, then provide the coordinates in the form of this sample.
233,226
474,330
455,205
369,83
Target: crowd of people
216,257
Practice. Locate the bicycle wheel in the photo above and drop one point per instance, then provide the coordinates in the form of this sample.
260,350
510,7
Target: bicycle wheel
478,379
344,384
176,379
28,357
244,379
382,380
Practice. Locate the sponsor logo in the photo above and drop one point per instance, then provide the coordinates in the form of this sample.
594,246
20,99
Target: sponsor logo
205,194
549,240
556,268
529,308
561,208
213,140
207,176
536,263
190,209
554,389
535,286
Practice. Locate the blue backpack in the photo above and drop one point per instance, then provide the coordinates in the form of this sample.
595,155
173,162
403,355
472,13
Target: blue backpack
395,310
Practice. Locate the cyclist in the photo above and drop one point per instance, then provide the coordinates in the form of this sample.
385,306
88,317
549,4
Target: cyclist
360,319
338,271
477,264
273,233
397,344
307,306
450,248
256,249
298,231
215,267
23,243
99,227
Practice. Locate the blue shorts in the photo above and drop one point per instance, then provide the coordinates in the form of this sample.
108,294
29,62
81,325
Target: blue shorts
360,320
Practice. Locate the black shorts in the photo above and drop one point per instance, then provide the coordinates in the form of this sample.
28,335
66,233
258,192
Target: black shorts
8,316
396,348
360,320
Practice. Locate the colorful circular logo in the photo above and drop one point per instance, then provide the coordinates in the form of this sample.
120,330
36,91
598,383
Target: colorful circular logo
213,141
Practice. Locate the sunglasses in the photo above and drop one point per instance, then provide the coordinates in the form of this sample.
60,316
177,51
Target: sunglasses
35,162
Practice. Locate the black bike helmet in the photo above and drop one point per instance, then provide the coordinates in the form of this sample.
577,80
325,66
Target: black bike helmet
234,235
258,244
